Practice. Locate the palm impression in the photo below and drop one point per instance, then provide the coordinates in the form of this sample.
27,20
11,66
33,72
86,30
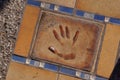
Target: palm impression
66,41
65,36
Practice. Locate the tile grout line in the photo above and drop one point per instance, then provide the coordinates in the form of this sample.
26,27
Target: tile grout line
58,74
74,8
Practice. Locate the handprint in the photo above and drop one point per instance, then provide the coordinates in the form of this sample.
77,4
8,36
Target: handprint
65,36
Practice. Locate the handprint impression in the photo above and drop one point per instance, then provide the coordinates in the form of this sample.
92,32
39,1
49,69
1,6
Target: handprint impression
65,35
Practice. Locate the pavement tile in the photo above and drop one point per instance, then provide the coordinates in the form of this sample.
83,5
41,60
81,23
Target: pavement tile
19,71
103,7
109,50
26,31
67,40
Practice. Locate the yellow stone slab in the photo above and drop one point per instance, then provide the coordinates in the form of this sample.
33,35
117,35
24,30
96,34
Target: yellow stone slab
67,3
103,7
64,77
19,71
25,35
109,50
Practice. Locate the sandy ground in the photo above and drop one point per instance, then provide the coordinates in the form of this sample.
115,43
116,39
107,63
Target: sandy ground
10,18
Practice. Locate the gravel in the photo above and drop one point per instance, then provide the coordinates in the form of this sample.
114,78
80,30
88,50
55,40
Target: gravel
10,19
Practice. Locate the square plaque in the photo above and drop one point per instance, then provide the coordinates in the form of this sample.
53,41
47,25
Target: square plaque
67,40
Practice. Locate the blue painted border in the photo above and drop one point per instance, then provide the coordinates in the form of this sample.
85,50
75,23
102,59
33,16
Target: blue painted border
114,20
32,62
18,58
51,67
33,2
79,13
82,75
66,9
52,6
99,17
70,11
68,71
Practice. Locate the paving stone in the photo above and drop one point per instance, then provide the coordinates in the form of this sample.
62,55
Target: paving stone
25,34
67,40
109,51
19,71
103,7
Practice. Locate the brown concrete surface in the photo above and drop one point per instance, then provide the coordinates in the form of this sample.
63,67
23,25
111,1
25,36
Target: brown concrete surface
25,35
67,3
64,77
109,50
104,7
74,40
19,71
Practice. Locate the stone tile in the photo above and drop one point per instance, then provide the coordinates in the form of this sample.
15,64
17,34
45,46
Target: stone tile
109,50
19,71
67,40
103,7
70,3
25,35
64,77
